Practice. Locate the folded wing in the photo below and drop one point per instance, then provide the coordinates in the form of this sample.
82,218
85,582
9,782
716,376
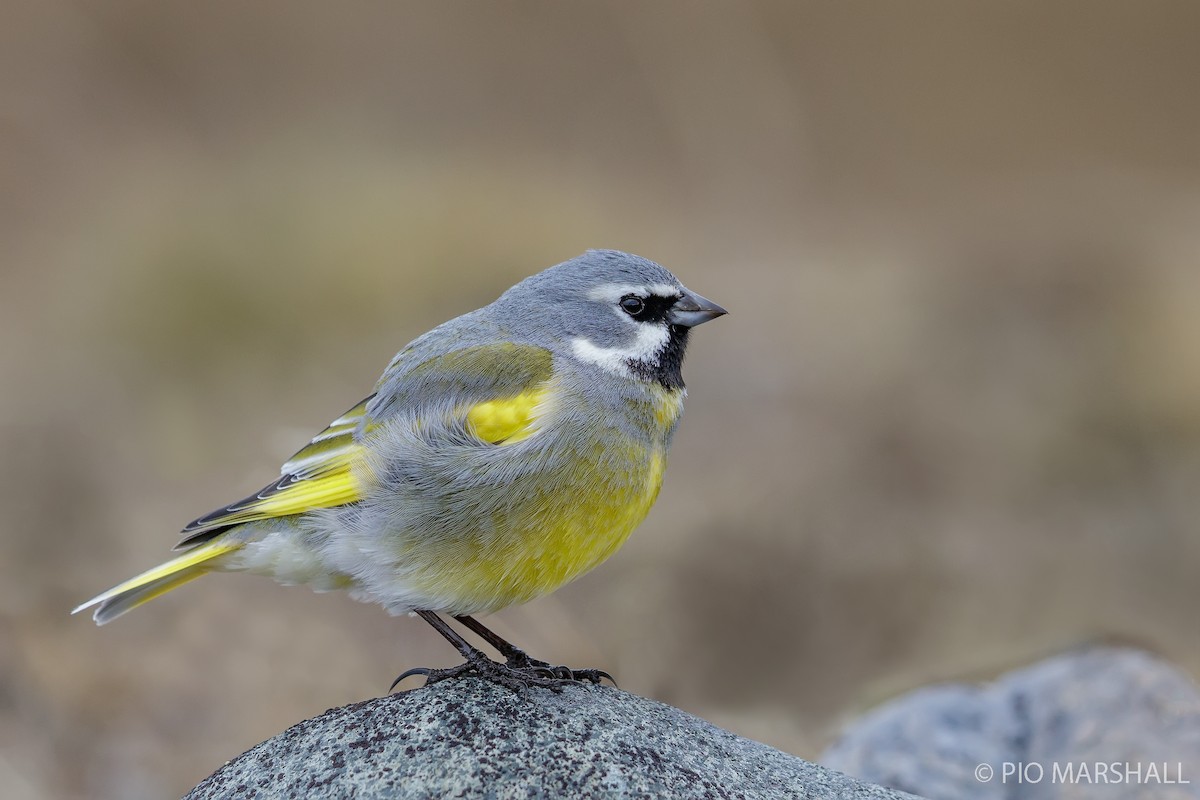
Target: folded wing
323,474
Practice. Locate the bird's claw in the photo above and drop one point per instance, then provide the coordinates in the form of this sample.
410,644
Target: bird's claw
596,676
409,673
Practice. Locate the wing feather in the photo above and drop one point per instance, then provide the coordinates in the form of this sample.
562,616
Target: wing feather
319,475
497,391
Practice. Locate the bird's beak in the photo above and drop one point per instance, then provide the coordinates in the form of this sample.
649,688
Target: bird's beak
692,310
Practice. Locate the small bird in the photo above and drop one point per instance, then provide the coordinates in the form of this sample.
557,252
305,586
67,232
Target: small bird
502,454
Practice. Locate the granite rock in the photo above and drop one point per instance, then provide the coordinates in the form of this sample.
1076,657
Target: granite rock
469,738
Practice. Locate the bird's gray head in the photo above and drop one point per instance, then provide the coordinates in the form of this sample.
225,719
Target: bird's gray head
620,312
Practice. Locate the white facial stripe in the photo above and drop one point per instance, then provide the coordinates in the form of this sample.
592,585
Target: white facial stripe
651,339
612,292
607,358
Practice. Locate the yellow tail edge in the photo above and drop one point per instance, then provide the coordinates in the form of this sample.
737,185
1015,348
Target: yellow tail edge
156,582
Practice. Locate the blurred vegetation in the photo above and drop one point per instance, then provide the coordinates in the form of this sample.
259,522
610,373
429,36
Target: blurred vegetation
952,422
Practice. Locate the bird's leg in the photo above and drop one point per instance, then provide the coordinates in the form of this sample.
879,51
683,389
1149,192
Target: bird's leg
476,664
515,656
460,644
518,659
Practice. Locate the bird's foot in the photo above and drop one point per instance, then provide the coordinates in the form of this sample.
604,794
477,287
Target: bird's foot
520,661
518,674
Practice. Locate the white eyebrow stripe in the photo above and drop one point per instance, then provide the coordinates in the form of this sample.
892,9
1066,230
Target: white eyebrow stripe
613,292
651,339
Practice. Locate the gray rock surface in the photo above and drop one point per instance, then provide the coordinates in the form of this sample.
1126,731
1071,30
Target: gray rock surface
1082,709
469,738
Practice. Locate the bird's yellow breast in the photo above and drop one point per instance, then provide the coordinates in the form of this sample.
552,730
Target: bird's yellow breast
548,540
556,527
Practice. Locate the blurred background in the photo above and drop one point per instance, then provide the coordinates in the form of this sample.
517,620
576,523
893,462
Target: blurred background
951,424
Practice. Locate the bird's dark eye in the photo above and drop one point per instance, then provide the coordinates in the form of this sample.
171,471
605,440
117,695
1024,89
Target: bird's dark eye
633,305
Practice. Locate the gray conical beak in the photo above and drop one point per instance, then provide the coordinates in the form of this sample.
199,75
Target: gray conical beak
692,310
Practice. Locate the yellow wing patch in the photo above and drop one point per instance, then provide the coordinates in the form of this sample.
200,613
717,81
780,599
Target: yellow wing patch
336,487
510,419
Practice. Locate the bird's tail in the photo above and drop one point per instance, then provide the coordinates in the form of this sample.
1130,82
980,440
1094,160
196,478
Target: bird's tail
158,581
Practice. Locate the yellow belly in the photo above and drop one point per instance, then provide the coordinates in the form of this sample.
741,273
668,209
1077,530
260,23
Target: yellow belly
543,542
